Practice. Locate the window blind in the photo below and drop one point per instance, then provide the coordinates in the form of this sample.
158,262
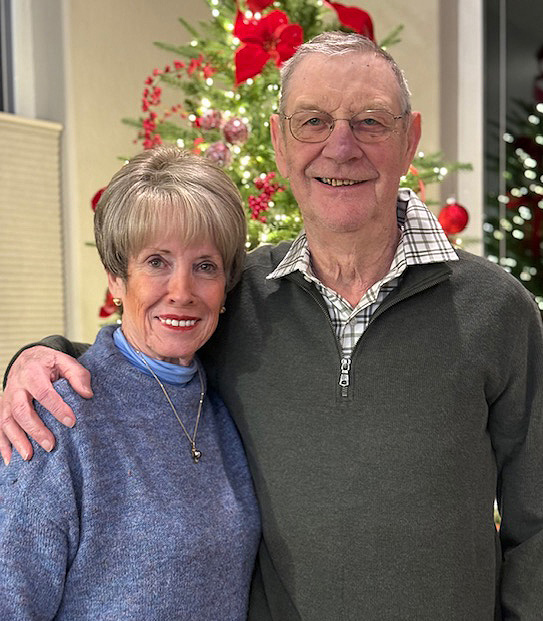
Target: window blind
31,254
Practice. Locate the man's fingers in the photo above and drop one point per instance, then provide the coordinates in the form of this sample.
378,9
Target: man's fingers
31,376
5,448
18,417
78,376
52,401
17,437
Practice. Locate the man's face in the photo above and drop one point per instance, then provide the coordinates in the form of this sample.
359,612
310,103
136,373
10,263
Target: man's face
321,174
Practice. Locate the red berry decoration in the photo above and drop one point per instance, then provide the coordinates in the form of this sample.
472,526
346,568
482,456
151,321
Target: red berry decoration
453,218
260,203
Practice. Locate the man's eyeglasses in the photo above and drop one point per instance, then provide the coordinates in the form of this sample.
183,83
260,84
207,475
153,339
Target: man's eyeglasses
367,126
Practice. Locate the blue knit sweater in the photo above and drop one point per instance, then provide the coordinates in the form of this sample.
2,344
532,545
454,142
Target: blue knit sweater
119,522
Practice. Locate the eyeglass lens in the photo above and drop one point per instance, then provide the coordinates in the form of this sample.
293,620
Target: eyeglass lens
367,126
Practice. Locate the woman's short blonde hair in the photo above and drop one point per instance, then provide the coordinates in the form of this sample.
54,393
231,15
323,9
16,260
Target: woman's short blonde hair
164,190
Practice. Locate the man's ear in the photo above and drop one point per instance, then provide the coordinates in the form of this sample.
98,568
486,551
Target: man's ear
413,138
278,141
116,285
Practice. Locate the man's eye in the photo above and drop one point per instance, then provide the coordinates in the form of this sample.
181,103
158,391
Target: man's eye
369,122
314,121
374,122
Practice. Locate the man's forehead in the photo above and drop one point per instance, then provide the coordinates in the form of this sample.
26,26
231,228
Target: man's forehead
318,61
325,79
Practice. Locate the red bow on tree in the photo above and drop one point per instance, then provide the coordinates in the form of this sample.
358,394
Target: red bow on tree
271,37
258,5
108,308
355,19
96,198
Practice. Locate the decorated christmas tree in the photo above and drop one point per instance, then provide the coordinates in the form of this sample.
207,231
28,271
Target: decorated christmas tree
226,85
227,79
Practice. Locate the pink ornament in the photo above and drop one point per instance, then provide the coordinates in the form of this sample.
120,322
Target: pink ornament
219,153
211,119
453,218
235,131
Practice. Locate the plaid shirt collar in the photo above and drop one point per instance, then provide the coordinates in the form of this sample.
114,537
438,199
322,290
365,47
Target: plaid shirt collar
422,241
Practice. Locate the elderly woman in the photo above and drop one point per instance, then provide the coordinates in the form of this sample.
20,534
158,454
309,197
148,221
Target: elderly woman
146,509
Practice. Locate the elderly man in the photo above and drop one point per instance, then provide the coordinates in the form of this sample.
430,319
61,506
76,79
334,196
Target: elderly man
387,388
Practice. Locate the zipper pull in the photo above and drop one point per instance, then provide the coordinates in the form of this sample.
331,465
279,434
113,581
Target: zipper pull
344,375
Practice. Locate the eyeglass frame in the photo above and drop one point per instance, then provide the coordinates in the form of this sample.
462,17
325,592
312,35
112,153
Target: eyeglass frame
288,118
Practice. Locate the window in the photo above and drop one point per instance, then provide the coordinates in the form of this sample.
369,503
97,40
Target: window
513,227
6,65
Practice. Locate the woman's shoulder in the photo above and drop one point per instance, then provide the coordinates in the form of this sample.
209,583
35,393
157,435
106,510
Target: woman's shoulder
106,364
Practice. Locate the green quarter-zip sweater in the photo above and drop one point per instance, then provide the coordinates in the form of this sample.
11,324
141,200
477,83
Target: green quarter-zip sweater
377,496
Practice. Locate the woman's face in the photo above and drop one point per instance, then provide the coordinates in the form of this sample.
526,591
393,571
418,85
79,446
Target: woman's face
171,298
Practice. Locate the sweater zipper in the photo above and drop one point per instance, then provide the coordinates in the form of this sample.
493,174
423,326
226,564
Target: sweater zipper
345,372
345,376
344,380
345,362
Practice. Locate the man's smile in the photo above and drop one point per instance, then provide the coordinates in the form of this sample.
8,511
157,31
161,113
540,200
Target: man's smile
337,182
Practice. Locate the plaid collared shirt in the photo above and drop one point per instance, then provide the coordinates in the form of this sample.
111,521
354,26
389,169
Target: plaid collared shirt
422,240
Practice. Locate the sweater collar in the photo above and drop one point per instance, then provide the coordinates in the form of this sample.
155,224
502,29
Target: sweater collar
166,371
422,241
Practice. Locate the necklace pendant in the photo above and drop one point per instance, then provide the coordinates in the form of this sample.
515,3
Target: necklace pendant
196,454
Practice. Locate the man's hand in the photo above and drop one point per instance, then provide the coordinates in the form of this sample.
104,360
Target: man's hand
31,377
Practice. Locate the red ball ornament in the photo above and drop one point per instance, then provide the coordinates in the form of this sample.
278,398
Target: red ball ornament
219,153
235,131
211,119
453,218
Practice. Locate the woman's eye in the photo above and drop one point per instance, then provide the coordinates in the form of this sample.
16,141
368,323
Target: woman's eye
155,262
207,267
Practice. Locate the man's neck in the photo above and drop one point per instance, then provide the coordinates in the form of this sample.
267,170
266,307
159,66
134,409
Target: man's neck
351,263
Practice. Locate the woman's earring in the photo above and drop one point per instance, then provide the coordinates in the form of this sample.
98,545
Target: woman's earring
223,310
117,301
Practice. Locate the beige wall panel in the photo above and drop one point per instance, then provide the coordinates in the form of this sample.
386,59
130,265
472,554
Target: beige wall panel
111,54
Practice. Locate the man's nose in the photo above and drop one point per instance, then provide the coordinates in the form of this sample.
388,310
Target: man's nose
341,145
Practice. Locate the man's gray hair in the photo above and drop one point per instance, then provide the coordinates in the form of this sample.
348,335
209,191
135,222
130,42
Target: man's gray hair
336,42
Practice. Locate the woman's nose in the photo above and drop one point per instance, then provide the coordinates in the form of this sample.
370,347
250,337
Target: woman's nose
181,289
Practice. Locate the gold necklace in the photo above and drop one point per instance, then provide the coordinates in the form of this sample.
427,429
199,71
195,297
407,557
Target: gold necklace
196,454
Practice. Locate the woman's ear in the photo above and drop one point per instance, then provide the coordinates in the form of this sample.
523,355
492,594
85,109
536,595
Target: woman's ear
116,286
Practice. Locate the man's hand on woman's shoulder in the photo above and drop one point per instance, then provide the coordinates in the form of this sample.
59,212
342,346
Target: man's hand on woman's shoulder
30,377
